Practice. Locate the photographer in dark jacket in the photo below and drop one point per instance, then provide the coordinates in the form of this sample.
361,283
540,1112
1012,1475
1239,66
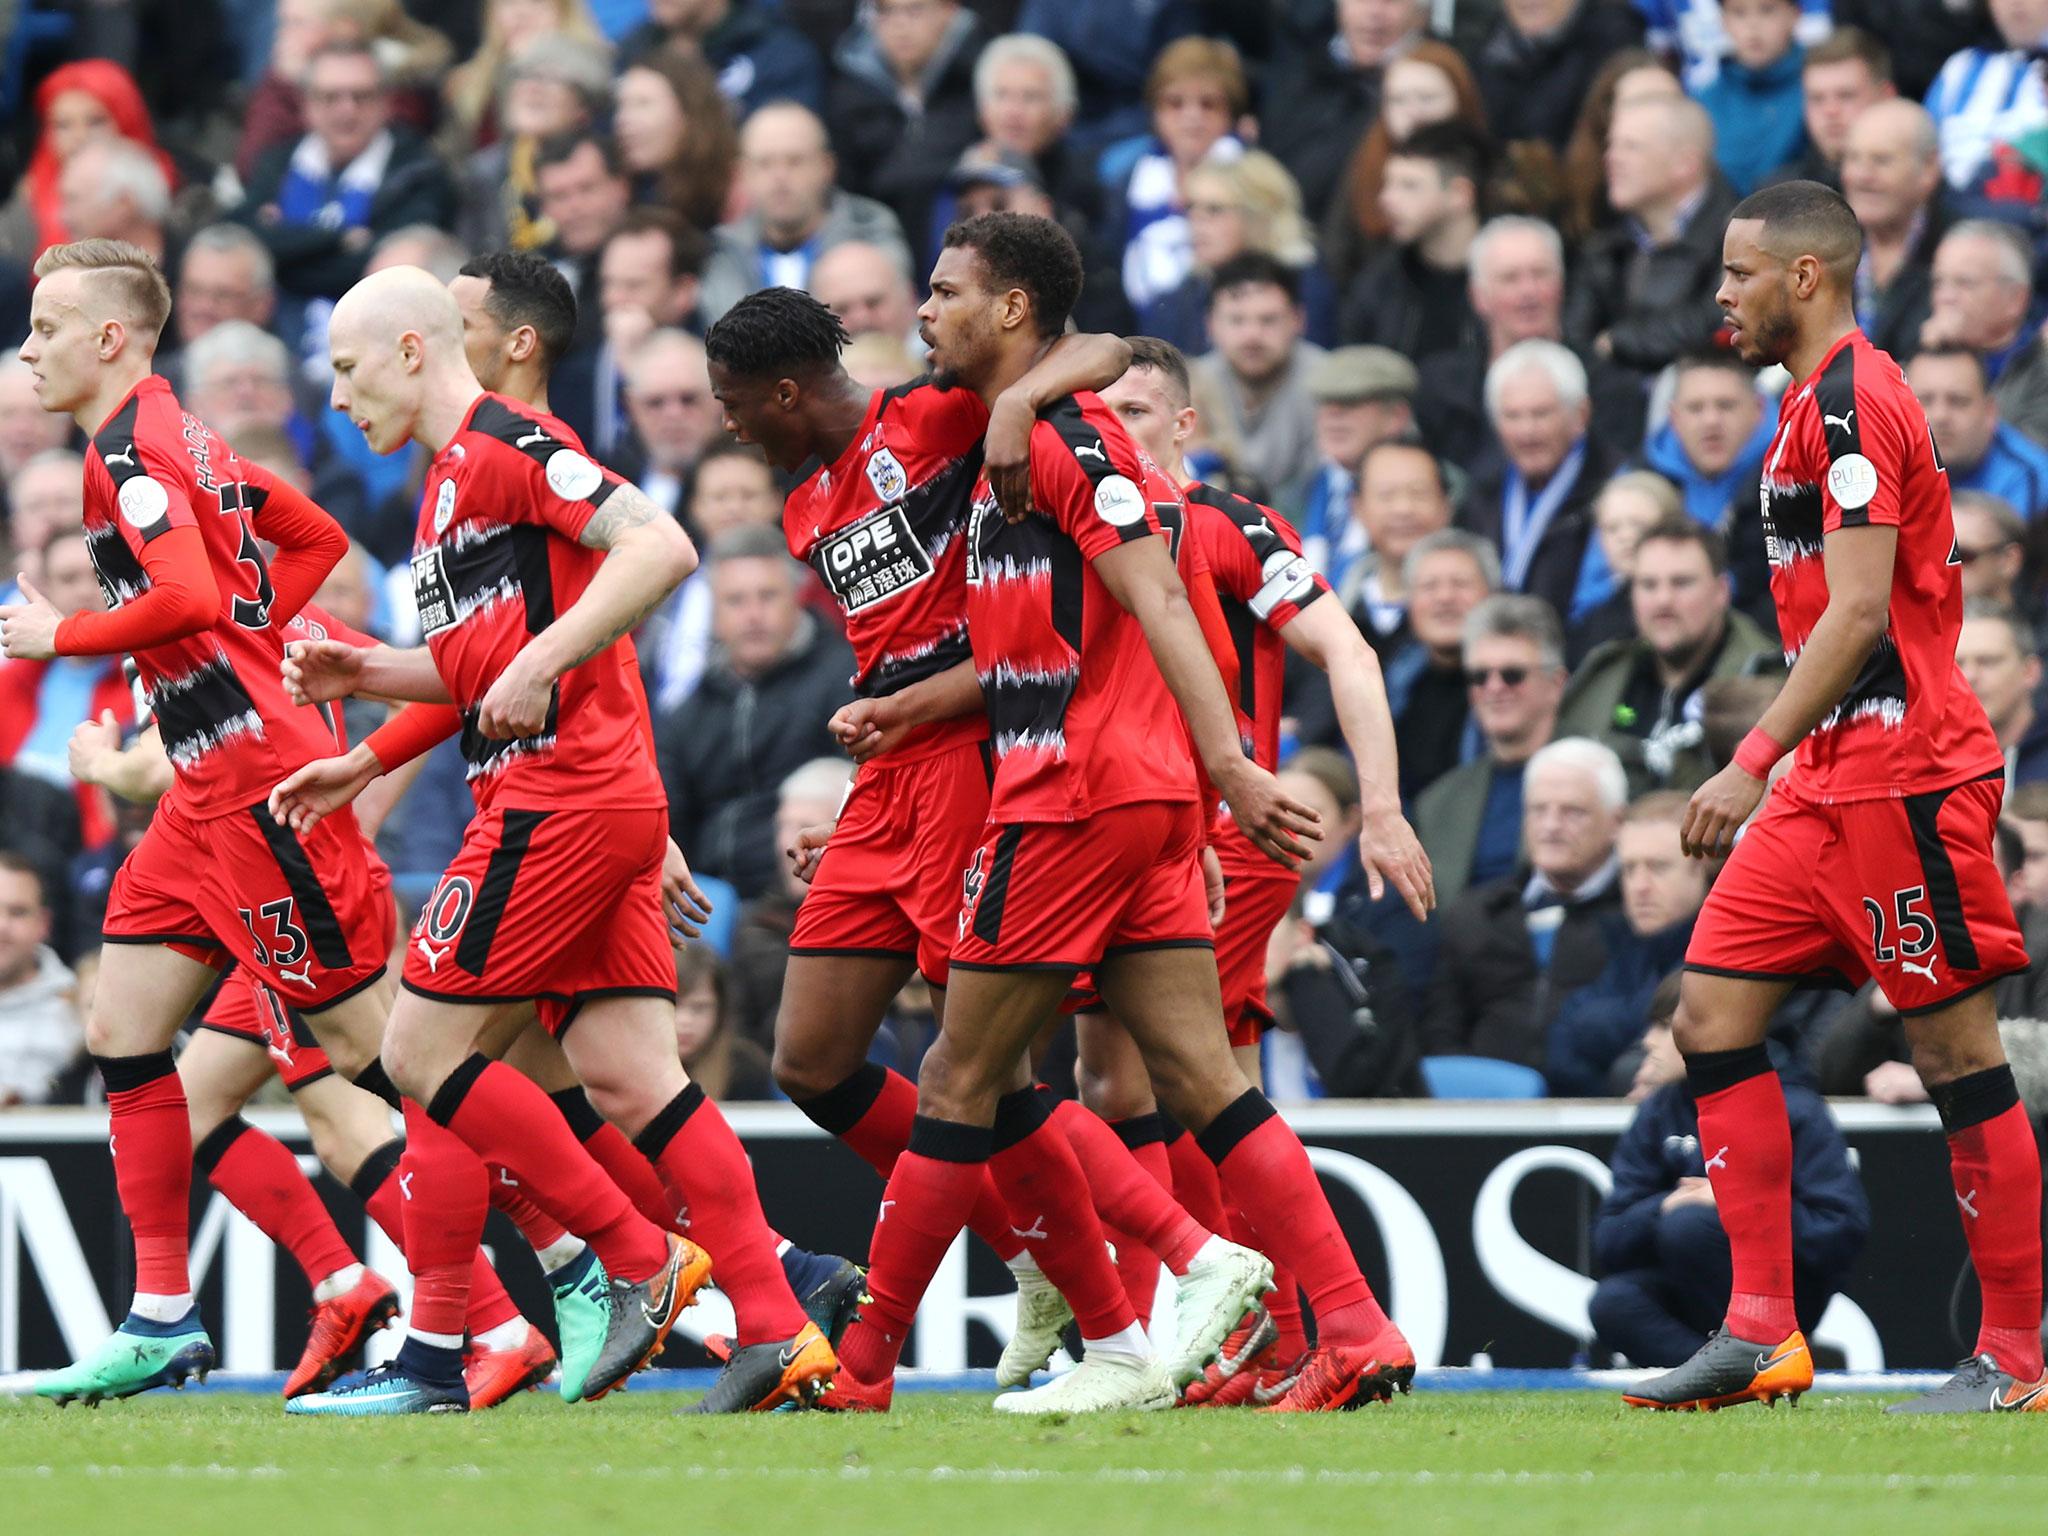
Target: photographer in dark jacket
1341,991
776,675
1658,1234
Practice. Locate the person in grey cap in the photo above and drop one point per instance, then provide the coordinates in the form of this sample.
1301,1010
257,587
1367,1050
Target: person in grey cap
1361,399
555,84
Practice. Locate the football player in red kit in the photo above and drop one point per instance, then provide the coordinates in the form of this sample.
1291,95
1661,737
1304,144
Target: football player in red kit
248,1035
530,562
1272,600
1095,669
1873,856
172,518
883,520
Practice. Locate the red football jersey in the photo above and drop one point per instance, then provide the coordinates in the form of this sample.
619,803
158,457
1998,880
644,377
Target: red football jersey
1853,448
218,696
1079,718
1262,582
495,560
885,528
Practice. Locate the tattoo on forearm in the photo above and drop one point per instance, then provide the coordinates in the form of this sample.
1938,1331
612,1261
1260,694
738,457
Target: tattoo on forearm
627,507
624,628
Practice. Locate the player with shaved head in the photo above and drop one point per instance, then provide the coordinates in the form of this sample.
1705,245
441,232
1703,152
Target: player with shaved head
1873,856
530,562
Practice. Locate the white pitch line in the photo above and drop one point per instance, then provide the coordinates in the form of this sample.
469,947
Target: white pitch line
1278,1477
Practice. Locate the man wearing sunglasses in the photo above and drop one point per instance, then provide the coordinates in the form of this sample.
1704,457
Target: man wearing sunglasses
1470,820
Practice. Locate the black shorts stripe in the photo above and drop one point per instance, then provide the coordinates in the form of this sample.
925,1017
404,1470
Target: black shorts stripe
828,953
988,760
203,940
576,1004
1071,967
1150,944
286,1021
316,912
342,996
473,951
1958,995
1944,893
988,911
1799,980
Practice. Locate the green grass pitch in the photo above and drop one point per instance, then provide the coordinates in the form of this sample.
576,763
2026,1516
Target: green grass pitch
1453,1462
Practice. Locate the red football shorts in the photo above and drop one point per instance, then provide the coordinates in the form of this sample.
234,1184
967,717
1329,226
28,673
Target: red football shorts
1256,895
1046,895
1904,890
248,1010
557,907
889,881
310,916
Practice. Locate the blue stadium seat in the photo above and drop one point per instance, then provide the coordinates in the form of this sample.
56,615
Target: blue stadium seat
725,914
1480,1077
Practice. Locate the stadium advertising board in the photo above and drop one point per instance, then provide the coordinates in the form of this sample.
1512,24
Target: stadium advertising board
1472,1221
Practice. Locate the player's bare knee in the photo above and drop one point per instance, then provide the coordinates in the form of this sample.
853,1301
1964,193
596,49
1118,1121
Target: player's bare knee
1687,1029
411,1063
804,1069
958,1085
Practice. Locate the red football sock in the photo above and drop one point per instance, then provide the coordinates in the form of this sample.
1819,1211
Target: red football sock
1137,1269
443,1197
263,1181
1195,1184
1266,1173
1746,1140
1125,1194
934,1185
871,1112
633,1173
374,1185
1041,1179
505,1119
701,1160
1997,1170
615,1154
150,1139
1283,1302
535,1225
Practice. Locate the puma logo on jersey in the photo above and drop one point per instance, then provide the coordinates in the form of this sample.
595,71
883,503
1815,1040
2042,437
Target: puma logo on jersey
432,955
125,456
1092,453
1926,970
1841,421
1034,1233
1718,1160
535,436
303,976
1968,1203
405,1185
1261,526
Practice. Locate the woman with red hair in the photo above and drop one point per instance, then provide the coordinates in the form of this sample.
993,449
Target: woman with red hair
75,105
